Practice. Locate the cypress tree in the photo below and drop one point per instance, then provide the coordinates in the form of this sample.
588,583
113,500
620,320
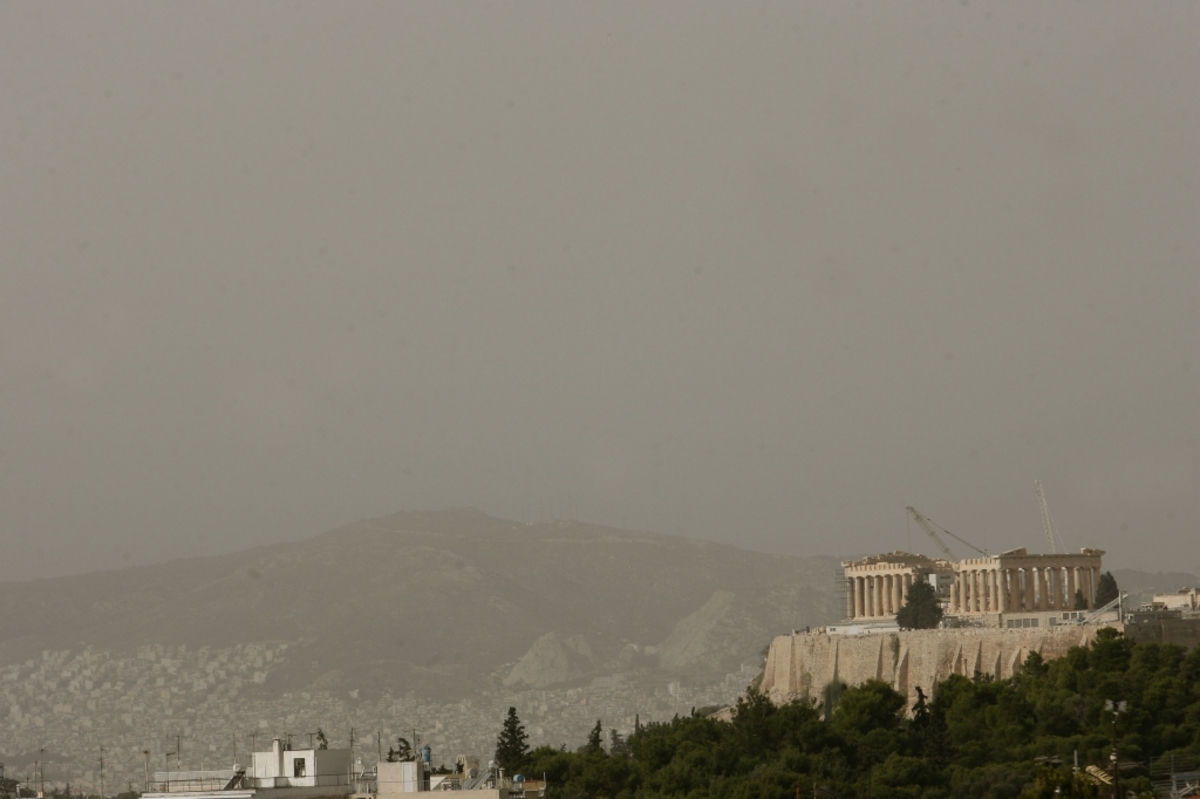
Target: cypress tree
1106,589
921,609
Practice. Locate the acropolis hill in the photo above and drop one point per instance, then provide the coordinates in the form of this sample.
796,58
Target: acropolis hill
998,610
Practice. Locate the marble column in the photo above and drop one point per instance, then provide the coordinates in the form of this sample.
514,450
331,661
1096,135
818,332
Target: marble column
1072,586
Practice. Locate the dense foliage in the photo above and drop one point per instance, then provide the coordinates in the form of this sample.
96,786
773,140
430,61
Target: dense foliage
976,737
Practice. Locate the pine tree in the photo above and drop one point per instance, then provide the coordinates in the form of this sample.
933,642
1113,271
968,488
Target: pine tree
401,753
921,609
512,746
593,744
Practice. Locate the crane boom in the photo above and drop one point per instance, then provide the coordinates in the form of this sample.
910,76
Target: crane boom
927,526
1045,515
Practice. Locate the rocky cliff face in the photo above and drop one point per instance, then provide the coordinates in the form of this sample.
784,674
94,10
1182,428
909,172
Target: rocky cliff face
803,664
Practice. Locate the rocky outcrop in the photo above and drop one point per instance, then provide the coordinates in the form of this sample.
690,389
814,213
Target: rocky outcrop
552,660
693,636
803,664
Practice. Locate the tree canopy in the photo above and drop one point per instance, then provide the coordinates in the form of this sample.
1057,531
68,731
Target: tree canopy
980,737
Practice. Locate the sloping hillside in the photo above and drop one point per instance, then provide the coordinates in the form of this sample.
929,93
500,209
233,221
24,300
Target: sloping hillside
440,601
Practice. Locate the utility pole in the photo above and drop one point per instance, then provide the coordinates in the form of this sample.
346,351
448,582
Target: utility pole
41,772
146,755
101,772
1115,708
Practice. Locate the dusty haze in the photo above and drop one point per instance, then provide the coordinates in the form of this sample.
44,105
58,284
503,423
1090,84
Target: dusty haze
762,274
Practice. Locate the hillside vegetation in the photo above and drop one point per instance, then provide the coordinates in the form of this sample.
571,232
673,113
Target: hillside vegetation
978,738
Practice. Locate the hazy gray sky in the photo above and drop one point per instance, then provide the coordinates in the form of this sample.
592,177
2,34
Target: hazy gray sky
759,273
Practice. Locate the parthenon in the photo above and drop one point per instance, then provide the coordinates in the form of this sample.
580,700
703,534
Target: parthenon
1011,582
1015,581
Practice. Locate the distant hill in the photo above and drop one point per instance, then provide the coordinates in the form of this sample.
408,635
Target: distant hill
439,601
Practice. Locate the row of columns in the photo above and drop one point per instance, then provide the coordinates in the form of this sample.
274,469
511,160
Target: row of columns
877,595
986,590
1017,590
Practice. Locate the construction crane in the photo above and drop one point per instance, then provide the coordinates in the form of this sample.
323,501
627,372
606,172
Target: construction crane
928,526
1046,522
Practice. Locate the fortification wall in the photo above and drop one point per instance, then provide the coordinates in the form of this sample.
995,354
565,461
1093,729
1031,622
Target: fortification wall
802,664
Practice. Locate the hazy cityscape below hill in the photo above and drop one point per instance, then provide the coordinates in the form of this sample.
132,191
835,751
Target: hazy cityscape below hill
433,622
430,624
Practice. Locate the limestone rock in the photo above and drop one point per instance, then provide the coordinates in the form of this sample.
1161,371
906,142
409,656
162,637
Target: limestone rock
689,643
551,660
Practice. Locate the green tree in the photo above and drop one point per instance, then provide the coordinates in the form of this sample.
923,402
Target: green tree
1080,600
921,610
1106,590
512,745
